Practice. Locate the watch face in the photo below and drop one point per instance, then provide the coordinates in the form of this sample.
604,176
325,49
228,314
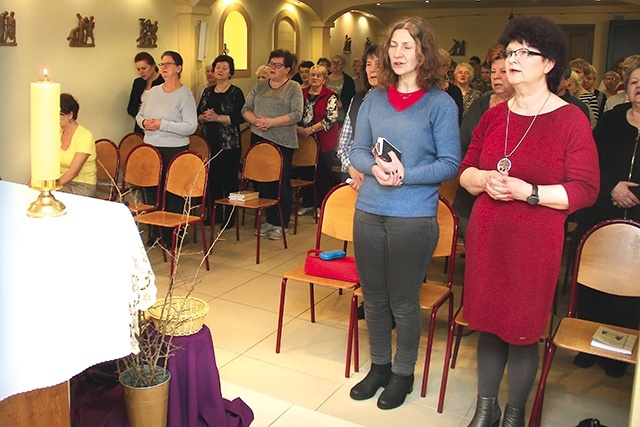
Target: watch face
533,200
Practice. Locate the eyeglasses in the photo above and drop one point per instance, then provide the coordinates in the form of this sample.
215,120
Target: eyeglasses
523,52
277,65
337,62
317,75
166,64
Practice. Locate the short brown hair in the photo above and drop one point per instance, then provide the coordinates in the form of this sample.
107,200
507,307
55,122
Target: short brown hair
426,53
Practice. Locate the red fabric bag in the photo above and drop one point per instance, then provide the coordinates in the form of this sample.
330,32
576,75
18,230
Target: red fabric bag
341,269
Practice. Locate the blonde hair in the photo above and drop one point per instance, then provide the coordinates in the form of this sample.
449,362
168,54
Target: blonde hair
262,69
319,69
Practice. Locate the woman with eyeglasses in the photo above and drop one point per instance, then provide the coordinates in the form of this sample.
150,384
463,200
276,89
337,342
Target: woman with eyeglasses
342,84
273,108
395,228
531,162
319,120
168,116
149,77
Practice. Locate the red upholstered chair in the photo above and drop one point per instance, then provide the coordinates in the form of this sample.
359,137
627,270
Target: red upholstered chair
336,220
607,259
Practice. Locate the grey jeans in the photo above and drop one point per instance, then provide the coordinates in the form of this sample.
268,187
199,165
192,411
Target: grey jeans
392,256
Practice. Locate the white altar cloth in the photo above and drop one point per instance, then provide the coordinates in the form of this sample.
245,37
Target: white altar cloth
70,287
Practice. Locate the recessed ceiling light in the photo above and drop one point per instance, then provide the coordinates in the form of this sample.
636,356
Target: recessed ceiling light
378,4
353,11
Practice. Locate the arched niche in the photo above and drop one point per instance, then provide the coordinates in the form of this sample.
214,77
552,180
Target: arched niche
286,32
235,36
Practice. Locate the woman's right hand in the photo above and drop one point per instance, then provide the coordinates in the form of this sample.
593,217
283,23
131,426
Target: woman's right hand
622,197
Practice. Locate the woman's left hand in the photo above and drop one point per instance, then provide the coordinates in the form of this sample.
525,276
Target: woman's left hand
263,123
152,124
622,197
388,173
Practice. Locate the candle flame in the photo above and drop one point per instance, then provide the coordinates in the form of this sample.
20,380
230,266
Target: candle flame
45,72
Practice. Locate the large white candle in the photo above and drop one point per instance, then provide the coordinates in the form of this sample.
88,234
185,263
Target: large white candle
45,131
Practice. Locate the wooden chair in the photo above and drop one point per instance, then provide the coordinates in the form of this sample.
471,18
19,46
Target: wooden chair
127,144
143,168
198,144
306,155
448,189
186,178
263,163
432,296
107,163
336,220
607,259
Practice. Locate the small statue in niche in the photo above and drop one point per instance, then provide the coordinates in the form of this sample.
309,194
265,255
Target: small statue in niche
148,33
347,45
368,43
82,34
8,29
225,49
458,48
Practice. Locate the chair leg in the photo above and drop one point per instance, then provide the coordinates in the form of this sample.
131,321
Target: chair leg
457,346
445,368
212,232
284,235
350,345
427,357
204,245
312,303
295,212
536,410
258,225
283,291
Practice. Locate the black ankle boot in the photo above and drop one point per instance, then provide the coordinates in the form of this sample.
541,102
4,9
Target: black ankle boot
377,377
487,413
513,417
396,391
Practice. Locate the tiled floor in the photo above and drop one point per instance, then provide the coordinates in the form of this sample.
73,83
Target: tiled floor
304,385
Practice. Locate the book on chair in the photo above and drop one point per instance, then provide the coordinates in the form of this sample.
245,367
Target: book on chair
243,196
613,340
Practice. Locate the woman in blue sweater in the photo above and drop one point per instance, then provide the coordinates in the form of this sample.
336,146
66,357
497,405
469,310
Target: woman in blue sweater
395,225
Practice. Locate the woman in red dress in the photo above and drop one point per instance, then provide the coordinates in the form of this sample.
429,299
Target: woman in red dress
532,161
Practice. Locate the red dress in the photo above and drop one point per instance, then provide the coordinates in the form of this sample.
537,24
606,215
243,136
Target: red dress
514,250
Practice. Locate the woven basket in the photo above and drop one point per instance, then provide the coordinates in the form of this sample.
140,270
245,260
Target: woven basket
184,316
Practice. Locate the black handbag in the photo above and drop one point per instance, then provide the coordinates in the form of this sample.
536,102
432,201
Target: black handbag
590,422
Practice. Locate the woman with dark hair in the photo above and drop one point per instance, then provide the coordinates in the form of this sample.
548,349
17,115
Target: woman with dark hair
395,229
168,116
369,80
220,112
273,108
303,70
79,173
531,162
319,119
342,84
149,77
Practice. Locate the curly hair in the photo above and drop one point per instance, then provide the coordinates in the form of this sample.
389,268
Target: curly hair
495,52
287,57
364,78
426,53
544,35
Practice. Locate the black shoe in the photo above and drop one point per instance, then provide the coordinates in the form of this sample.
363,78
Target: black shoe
513,417
396,391
614,368
487,413
377,377
361,312
584,360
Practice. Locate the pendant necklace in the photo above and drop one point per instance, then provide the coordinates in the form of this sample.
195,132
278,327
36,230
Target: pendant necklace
504,164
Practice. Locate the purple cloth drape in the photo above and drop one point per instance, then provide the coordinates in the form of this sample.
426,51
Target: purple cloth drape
195,398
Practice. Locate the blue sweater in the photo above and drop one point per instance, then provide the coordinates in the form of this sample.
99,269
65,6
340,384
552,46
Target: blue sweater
427,135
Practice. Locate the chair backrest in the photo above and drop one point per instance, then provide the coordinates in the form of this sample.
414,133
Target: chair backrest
127,144
448,224
336,216
263,163
448,189
200,146
608,259
186,175
107,160
245,143
143,167
307,152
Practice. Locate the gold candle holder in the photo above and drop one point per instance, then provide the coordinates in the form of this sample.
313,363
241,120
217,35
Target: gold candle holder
46,205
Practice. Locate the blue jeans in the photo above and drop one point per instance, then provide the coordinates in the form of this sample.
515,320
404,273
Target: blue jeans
392,256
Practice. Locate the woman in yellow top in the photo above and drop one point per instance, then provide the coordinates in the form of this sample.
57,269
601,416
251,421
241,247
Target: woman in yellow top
77,151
